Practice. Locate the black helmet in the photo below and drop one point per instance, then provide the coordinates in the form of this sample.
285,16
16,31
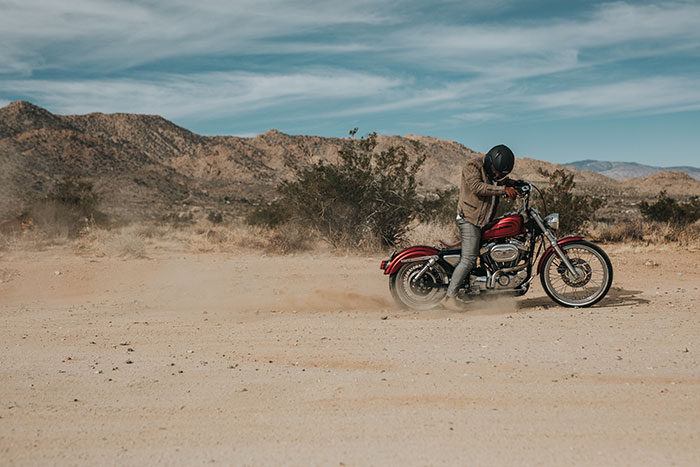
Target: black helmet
499,162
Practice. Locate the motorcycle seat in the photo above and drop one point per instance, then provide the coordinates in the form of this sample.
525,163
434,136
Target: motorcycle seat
450,245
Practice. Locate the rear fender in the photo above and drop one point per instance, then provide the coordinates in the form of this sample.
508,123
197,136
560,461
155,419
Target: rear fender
398,260
550,250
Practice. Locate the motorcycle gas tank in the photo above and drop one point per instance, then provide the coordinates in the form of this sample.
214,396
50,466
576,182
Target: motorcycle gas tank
506,226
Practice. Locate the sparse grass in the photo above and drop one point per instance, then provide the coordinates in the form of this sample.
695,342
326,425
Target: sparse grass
431,233
139,240
650,233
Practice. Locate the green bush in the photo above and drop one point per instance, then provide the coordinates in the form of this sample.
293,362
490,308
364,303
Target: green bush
575,211
364,197
667,209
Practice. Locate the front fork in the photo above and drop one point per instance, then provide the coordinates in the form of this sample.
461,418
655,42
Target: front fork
553,242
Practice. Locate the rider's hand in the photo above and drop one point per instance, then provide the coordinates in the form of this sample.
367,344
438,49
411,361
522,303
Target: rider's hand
511,193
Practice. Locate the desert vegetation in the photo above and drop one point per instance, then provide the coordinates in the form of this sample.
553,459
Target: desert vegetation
367,200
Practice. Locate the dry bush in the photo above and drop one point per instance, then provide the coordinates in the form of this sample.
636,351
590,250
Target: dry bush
431,233
224,238
31,240
617,232
291,237
651,233
129,242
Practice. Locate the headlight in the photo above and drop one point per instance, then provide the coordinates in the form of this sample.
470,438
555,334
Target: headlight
552,221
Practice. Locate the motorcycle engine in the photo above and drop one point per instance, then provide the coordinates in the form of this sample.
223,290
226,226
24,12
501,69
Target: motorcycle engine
498,256
503,255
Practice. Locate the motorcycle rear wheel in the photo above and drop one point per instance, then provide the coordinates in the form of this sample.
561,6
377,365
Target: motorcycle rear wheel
422,294
595,275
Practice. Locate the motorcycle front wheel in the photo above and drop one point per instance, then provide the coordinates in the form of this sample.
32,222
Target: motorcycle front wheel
594,270
420,294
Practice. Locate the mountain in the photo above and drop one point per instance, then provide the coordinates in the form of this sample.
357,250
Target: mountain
620,170
144,166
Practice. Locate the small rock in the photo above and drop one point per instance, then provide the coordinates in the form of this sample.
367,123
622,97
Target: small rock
190,351
58,273
123,343
129,362
129,349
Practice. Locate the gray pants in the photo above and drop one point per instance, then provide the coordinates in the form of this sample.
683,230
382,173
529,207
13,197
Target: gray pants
471,236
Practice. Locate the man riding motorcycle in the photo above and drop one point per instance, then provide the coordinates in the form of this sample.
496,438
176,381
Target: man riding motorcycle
484,179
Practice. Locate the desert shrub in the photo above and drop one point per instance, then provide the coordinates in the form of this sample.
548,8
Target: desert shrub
667,209
215,217
271,214
129,242
648,232
439,207
68,208
365,195
290,237
618,232
575,211
431,232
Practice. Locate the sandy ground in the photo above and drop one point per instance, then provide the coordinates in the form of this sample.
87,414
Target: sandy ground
247,359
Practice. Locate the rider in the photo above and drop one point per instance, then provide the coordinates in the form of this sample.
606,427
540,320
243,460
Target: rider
483,180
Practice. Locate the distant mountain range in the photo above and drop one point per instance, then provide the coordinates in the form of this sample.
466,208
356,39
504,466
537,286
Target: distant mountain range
620,170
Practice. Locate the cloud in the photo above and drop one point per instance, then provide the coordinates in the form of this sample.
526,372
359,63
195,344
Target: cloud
517,49
121,34
649,95
357,58
211,94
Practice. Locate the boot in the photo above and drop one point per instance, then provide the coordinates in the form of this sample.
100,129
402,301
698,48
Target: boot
452,304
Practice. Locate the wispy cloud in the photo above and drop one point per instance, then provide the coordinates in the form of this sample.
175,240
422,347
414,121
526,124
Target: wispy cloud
517,49
357,57
211,94
649,95
122,33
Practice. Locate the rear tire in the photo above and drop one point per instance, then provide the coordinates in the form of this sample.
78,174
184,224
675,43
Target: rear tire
423,294
595,271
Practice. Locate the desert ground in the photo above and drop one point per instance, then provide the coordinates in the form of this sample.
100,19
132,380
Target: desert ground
242,358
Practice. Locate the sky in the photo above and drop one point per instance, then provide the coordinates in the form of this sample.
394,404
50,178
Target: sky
554,80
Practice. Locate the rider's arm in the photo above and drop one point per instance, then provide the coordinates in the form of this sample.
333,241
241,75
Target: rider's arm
471,174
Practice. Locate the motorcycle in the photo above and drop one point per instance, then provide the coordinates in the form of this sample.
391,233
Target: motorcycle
573,272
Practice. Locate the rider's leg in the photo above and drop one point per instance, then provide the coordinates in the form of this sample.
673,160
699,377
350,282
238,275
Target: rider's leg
471,235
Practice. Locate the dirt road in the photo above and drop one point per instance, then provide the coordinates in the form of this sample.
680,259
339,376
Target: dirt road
247,360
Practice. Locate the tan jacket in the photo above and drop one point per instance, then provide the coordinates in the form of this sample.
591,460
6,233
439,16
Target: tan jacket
475,192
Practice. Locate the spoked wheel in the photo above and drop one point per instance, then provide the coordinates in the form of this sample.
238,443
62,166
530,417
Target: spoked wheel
593,279
420,294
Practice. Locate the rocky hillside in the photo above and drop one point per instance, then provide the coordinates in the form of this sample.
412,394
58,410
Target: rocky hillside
146,166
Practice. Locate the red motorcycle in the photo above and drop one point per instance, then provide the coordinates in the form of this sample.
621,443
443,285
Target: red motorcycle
573,271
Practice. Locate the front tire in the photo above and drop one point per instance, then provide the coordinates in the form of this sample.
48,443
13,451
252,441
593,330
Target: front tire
422,294
595,275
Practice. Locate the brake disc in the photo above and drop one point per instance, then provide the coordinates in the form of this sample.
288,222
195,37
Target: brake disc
583,269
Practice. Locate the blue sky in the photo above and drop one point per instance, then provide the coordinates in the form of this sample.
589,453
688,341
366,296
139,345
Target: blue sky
555,80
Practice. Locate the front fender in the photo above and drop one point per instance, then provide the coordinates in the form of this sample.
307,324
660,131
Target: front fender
397,261
550,250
